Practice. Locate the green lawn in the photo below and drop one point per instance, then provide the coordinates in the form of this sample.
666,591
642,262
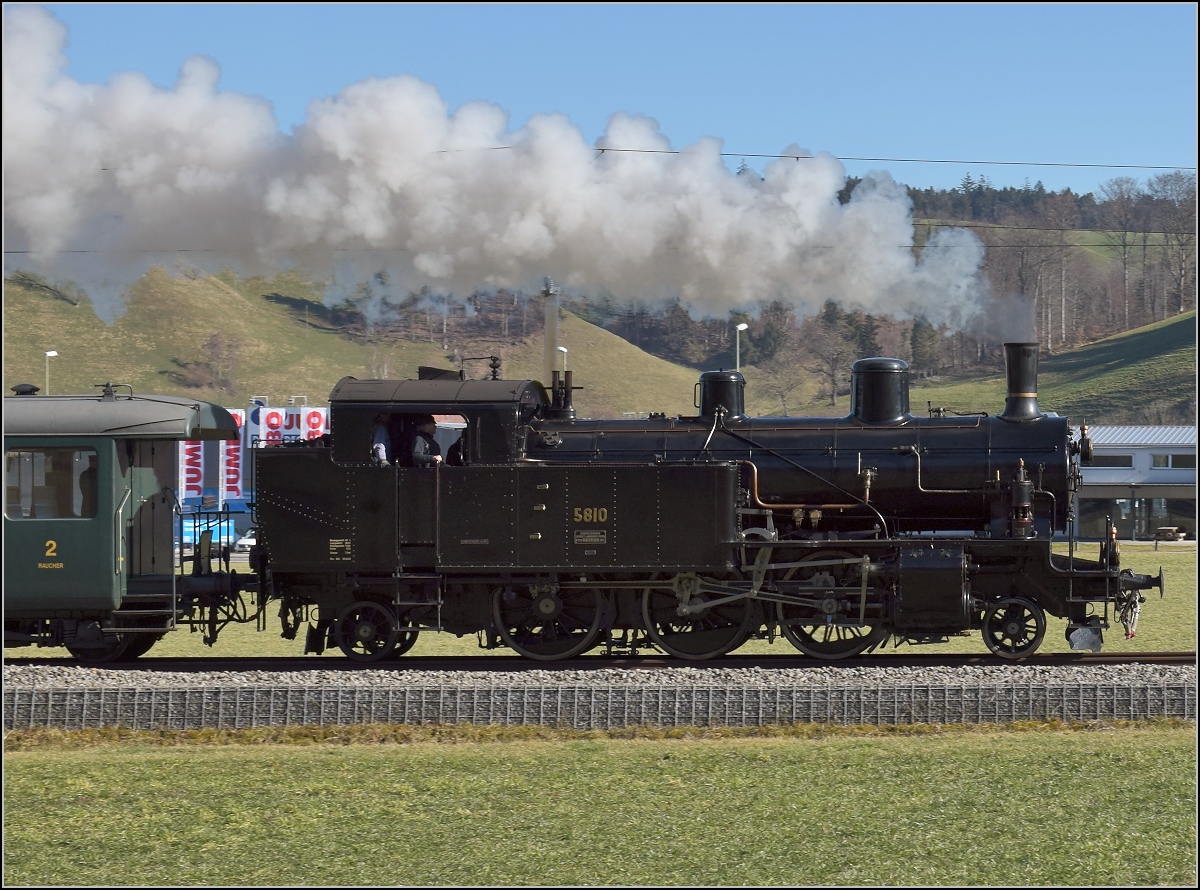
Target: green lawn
984,808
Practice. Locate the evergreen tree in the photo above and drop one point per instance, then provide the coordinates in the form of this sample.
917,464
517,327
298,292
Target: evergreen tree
925,345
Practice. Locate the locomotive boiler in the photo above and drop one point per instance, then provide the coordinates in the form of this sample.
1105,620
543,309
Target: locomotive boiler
879,471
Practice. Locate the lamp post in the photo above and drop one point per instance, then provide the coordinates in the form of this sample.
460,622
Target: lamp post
49,355
740,328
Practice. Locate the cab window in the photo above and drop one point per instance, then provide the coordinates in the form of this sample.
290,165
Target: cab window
51,483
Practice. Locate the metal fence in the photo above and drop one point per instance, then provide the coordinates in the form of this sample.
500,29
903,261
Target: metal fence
585,707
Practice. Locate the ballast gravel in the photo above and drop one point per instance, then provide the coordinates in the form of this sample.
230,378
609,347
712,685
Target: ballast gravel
70,677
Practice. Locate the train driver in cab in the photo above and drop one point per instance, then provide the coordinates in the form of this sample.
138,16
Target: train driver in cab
425,450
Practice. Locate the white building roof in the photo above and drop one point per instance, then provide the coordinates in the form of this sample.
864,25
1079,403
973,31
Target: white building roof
1171,436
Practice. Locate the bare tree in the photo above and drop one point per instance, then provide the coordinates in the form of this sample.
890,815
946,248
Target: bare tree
1018,254
829,352
786,370
1062,215
1174,208
221,355
1121,215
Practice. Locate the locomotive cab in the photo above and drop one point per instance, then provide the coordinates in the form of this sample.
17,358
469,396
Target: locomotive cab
382,518
492,414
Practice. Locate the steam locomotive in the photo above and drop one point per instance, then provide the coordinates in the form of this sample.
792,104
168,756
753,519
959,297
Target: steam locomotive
553,535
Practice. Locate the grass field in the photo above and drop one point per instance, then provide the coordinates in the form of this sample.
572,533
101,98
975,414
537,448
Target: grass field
1045,804
281,354
1112,807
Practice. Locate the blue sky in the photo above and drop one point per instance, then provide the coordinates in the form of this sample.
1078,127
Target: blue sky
1070,84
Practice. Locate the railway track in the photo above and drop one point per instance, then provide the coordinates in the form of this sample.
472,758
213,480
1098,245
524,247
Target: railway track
502,664
736,690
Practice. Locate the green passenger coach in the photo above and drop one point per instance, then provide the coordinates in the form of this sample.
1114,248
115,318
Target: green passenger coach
90,519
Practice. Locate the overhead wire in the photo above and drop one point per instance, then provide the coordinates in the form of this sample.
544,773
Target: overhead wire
742,154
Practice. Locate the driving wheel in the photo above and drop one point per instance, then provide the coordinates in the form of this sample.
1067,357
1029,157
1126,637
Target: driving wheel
708,629
545,622
820,628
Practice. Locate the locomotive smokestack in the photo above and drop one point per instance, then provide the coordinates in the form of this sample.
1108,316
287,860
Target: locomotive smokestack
550,338
1020,363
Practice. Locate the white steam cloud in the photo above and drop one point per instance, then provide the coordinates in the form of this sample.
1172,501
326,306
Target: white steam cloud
103,181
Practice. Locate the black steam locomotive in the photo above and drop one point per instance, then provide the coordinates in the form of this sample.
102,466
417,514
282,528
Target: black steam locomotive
552,535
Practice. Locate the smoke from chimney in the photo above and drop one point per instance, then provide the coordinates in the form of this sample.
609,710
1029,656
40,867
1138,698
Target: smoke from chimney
383,183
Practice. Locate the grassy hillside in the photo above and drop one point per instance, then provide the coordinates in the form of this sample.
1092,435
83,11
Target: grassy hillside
1146,375
284,351
288,347
164,327
1142,376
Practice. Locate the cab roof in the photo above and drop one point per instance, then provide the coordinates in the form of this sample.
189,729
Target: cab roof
439,392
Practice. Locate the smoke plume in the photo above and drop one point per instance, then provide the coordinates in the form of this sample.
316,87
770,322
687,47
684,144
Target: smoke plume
103,181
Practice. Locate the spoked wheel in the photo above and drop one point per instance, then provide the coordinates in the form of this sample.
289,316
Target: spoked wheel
366,631
1013,627
546,623
819,631
706,631
112,648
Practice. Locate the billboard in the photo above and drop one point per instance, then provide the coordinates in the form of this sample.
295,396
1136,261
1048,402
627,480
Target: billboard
268,425
230,475
191,470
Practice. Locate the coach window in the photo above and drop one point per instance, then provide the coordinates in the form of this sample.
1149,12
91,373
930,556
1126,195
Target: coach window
51,483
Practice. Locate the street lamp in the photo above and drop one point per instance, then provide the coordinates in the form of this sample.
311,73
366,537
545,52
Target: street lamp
740,328
563,350
49,355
